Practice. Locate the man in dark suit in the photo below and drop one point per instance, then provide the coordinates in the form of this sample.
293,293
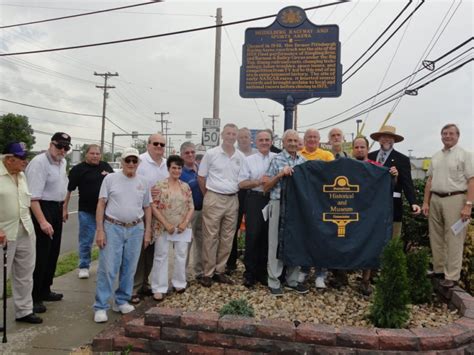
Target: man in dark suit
388,157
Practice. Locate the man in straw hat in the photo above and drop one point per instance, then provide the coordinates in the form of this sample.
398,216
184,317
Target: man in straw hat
388,157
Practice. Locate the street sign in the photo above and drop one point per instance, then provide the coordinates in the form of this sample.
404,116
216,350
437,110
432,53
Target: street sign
210,131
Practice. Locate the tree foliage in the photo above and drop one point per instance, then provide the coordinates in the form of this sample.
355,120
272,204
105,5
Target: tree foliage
420,285
15,128
391,299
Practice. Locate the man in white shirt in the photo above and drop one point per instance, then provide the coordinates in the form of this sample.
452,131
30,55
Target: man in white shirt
256,234
218,180
153,168
449,193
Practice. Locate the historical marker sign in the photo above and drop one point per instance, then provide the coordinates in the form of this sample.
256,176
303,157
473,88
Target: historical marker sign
210,131
291,60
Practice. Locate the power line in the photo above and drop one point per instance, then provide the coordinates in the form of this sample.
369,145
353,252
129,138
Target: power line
162,34
50,109
79,15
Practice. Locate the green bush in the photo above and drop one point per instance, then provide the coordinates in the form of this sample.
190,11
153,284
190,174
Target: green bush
415,228
390,305
238,307
420,286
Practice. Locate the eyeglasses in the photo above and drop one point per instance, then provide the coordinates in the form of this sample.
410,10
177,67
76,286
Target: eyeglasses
129,160
156,144
60,146
190,152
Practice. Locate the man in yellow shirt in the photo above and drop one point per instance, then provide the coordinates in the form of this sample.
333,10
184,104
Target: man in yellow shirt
16,230
311,151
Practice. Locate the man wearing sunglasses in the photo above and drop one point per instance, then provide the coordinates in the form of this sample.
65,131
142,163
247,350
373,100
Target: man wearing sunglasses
47,179
16,230
153,168
123,225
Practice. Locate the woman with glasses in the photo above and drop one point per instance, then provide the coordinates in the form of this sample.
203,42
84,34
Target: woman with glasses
173,209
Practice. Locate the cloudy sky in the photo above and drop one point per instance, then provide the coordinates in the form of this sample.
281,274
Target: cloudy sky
175,74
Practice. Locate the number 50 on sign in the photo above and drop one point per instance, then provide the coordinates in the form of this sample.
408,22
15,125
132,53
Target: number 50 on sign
210,136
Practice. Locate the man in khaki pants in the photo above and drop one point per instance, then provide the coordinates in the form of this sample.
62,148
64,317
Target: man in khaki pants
218,180
449,193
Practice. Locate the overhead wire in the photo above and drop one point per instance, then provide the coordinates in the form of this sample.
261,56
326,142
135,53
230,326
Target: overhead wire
80,15
162,34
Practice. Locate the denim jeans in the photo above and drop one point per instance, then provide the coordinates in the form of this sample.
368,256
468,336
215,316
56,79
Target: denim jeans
86,238
119,256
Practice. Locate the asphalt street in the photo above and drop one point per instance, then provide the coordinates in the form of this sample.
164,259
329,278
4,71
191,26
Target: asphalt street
71,227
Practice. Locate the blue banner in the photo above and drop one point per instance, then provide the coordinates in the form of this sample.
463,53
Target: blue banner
336,215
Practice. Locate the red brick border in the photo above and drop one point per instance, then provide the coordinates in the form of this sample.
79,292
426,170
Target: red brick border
174,331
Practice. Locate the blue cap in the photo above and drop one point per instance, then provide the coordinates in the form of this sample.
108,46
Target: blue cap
16,148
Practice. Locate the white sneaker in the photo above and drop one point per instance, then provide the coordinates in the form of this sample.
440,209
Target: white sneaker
83,273
100,316
123,308
302,277
320,282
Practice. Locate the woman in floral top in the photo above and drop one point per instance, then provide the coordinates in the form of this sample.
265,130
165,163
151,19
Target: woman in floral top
172,211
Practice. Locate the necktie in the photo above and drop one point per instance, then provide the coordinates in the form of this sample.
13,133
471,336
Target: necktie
382,158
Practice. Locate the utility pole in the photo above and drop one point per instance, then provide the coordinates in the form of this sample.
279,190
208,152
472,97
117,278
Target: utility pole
358,123
161,120
167,140
105,87
217,64
273,122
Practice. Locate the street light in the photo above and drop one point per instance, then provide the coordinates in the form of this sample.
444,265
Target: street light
358,122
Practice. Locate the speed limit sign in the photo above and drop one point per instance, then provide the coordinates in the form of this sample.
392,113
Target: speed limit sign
210,136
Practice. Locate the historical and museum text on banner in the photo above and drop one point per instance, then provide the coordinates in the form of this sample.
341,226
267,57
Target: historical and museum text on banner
336,215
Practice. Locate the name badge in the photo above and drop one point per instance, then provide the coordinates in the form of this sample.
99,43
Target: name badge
397,195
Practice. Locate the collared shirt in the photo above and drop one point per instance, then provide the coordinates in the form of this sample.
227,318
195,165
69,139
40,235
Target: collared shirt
47,178
151,170
15,203
451,169
221,171
341,154
190,176
382,155
277,164
255,166
125,196
318,154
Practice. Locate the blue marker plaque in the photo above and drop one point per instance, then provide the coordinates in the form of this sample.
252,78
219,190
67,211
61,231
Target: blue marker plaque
291,60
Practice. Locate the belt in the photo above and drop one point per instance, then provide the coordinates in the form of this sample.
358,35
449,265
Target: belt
440,194
123,224
259,193
235,193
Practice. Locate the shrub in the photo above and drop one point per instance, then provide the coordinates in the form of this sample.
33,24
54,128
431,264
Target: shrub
389,308
415,228
238,307
420,286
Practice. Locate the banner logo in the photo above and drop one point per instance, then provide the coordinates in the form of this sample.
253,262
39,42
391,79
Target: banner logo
341,194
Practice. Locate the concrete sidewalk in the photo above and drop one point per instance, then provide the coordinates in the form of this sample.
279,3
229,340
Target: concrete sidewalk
67,324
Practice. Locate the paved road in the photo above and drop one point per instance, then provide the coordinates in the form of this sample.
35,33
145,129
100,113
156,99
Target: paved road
71,227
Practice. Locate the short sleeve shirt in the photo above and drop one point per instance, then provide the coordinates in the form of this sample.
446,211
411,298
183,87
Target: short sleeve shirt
152,171
47,179
277,164
221,171
88,178
450,170
189,176
125,197
318,154
255,166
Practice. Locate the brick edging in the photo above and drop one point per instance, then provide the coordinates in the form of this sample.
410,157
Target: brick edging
171,329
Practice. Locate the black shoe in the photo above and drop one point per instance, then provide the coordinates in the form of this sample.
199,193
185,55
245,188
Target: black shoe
39,307
30,318
205,281
230,269
53,297
249,283
299,288
276,292
222,279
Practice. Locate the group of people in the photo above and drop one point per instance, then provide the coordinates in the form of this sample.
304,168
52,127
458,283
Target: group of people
155,203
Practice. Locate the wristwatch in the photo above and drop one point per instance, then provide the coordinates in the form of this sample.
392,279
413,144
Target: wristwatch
469,203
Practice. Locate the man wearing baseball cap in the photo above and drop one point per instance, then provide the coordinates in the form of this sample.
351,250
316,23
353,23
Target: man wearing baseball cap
47,179
388,157
16,230
123,220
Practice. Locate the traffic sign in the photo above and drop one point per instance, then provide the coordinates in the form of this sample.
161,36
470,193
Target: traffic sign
211,131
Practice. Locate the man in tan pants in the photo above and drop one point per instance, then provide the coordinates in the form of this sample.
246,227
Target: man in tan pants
218,179
449,193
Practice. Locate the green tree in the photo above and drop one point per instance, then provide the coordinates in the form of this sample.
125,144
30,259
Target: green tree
390,307
16,128
140,145
420,285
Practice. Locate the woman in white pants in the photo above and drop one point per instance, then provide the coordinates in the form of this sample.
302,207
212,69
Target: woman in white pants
172,210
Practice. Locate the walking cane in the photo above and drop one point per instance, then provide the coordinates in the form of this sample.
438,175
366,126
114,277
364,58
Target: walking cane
4,328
